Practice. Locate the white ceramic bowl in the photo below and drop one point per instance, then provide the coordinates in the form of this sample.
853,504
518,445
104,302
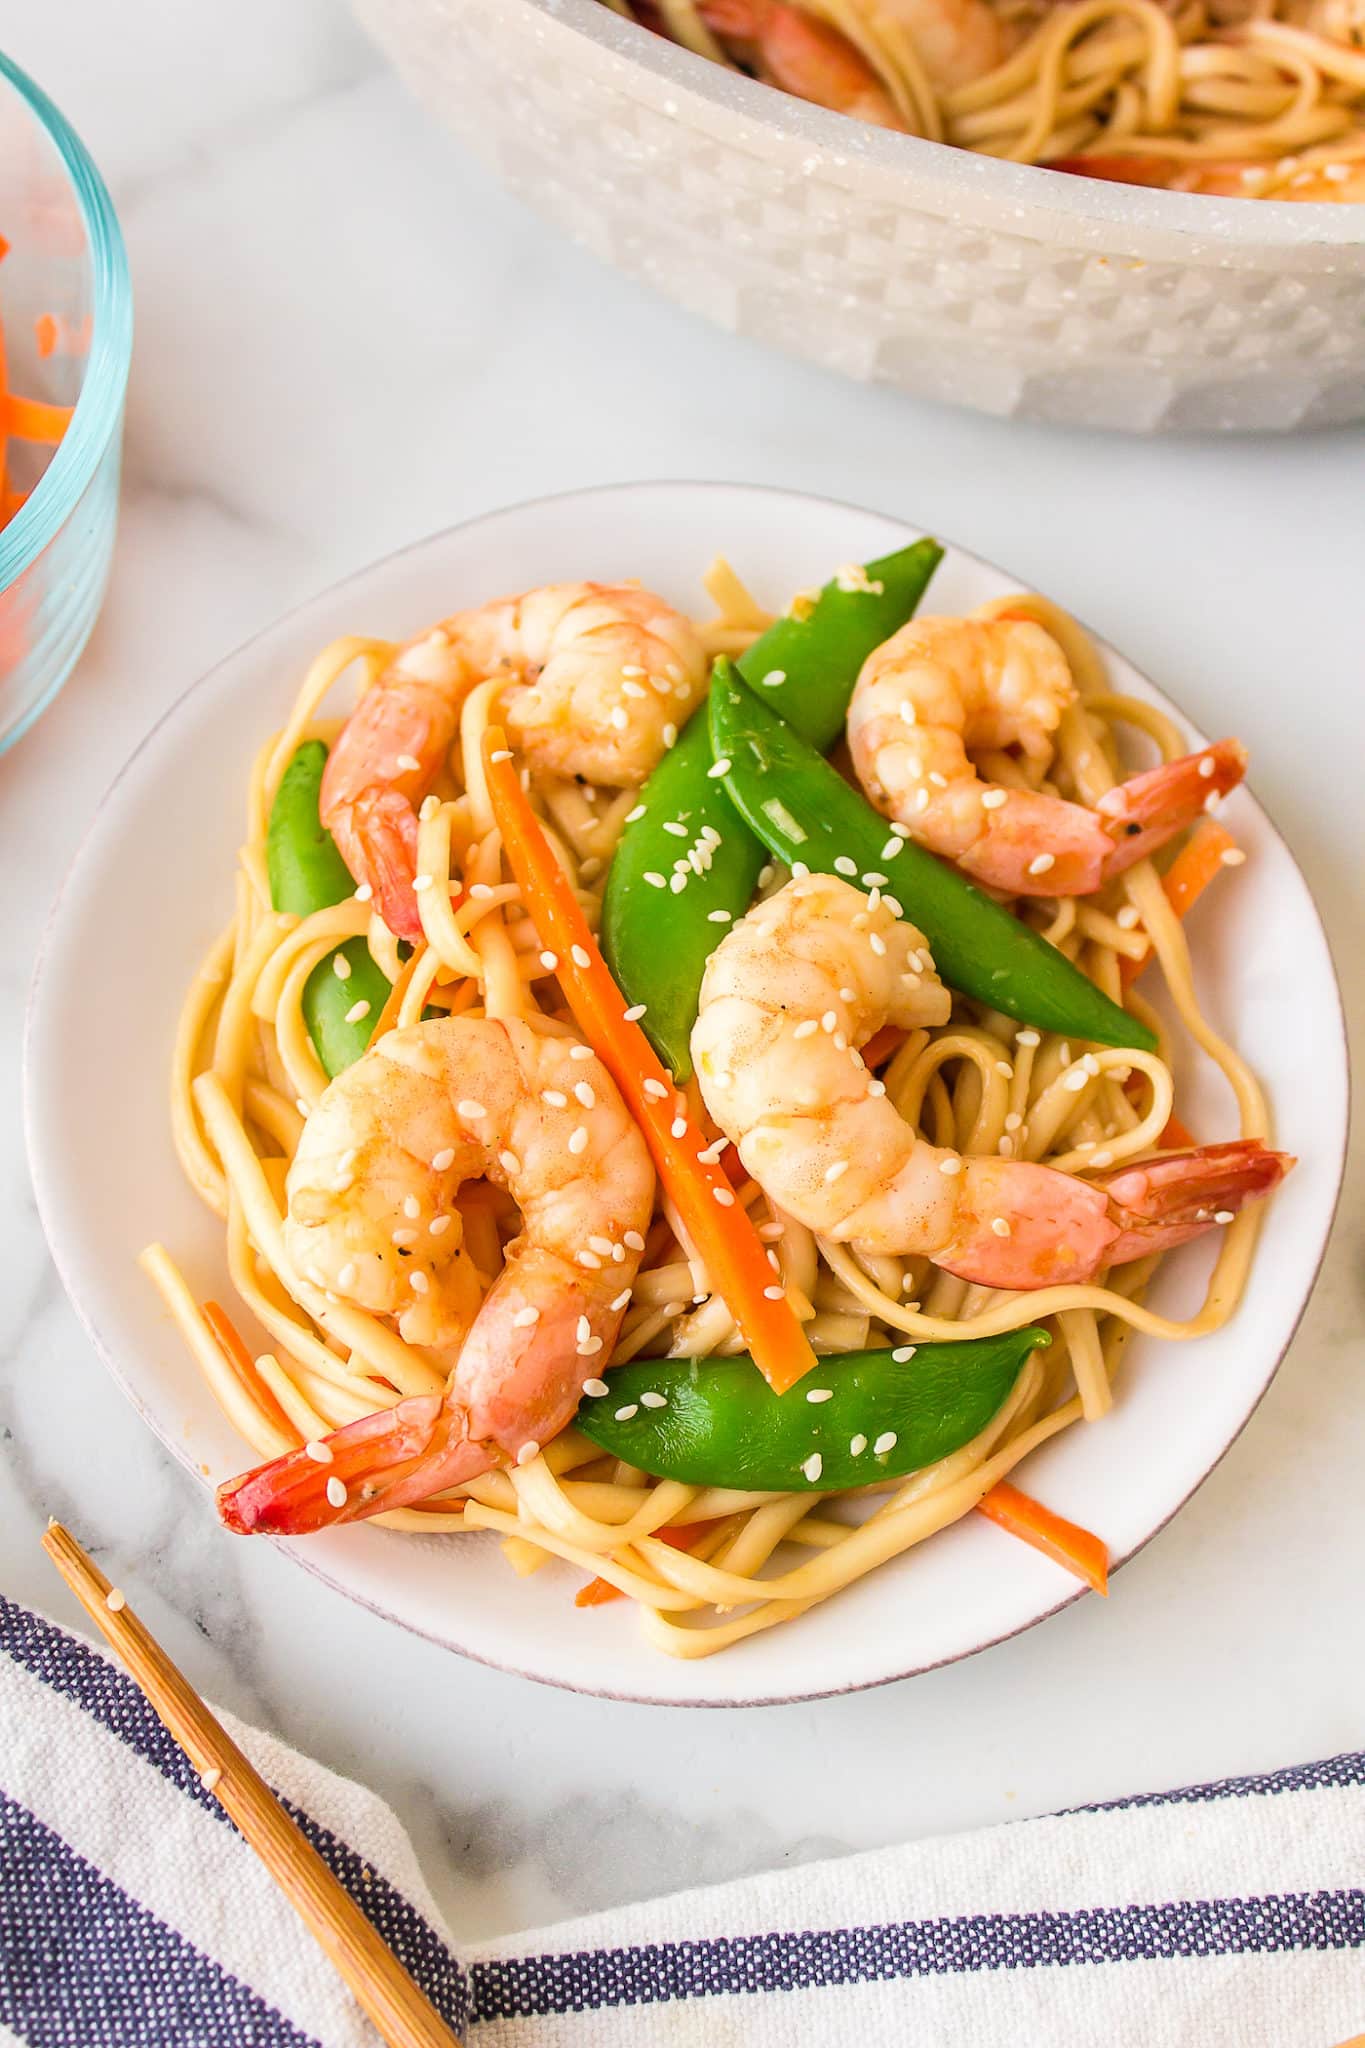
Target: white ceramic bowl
1263,967
995,285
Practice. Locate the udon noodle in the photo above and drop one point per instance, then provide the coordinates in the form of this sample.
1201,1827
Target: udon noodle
245,1076
1253,98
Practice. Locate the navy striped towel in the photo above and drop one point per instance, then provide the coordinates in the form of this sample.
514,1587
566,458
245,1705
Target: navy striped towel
132,1915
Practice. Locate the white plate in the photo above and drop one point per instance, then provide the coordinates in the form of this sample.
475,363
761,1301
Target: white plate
165,838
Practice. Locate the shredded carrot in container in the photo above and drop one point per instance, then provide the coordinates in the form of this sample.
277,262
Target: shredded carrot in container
26,419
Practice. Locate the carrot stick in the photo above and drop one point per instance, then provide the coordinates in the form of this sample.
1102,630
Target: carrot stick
725,1239
239,1358
29,419
1199,860
45,334
1066,1543
882,1044
598,1592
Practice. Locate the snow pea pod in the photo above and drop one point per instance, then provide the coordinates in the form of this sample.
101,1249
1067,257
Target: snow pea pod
805,812
306,874
669,895
859,1417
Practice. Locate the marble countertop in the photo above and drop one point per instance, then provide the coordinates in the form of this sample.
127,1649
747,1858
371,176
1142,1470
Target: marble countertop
347,337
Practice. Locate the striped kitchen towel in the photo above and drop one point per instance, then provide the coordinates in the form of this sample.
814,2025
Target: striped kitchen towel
132,1915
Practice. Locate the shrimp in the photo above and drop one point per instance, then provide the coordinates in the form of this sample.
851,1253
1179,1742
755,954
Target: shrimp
1318,182
372,1219
598,677
941,686
788,997
956,41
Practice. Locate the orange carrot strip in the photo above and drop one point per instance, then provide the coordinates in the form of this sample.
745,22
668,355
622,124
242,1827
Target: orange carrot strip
31,420
45,334
1177,1136
598,1592
4,248
1066,1543
724,1237
239,1358
1199,860
882,1044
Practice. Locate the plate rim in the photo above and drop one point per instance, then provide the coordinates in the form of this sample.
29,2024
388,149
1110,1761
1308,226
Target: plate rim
297,1550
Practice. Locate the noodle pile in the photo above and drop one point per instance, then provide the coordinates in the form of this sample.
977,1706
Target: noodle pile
245,1075
1253,98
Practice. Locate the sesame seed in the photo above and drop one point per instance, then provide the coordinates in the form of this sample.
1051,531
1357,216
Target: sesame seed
418,1282
530,1449
481,891
602,1246
583,1092
211,1778
594,1389
336,1491
655,880
677,883
766,874
670,735
524,1318
678,831
907,711
549,961
357,1011
857,1445
876,1087
653,1399
725,1196
632,1240
341,967
581,1052
618,718
678,1127
554,1098
1223,1215
1207,766
1000,1225
950,1164
774,678
921,799
800,872
774,1293
501,754
1013,1120
1027,1038
402,1236
408,764
1212,801
580,956
829,1021
1075,1079
719,768
885,1442
588,1347
346,1277
807,1028
655,1090
1006,1148
1232,856
509,1162
939,781
903,1354
818,1394
319,1452
634,1013
629,1412
364,893
412,1208
844,866
632,670
719,917
1126,918
1102,1159
578,1140
991,799
890,850
1004,1067
471,1110
1041,862
836,1172
115,1600
877,943
874,880
631,689
438,1225
421,882
813,1467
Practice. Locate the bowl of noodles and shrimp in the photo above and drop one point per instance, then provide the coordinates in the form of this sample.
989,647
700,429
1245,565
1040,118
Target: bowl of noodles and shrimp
688,1176
1116,213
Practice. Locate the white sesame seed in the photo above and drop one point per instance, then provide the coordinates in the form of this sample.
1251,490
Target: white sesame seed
836,1171
725,1196
357,1011
595,1389
554,1098
655,1090
1207,766
480,891
950,1164
418,1282
1232,856
1004,1067
588,1347
1223,1215
890,850
602,1246
412,1208
877,943
580,956
921,799
1027,1038
885,1442
807,1028
336,1491
438,1225
341,967
429,807
857,1445
115,1600
549,961
618,717
1006,1148
991,799
672,826
774,678
402,1236
1126,918
346,1277
578,1140
211,1778
632,669
818,1394
655,880
903,1354
364,893
634,817
670,735
583,1092
677,883
421,883
632,1240
581,1052
1041,862
529,1450
524,1318
876,1087
1212,801
653,1399
875,880
1102,1159
1013,1120
630,688
408,764
501,754
907,711
719,917
1000,1225
813,1467
844,866
471,1110
629,1412
509,1162
1075,1079
800,872
719,768
774,1293
678,1127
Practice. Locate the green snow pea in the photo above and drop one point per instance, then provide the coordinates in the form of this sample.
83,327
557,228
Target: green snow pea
657,937
307,873
804,811
887,1413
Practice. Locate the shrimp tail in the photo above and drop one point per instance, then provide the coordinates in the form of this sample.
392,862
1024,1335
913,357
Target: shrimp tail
1164,1202
376,835
1143,813
386,1460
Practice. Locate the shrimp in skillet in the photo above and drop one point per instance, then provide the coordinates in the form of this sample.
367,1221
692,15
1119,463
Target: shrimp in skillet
598,677
944,686
372,1217
789,996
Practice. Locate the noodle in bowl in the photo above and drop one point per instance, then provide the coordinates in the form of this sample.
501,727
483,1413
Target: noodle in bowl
892,258
546,1487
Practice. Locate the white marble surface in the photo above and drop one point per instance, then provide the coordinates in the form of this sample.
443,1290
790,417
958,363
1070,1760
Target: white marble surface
348,337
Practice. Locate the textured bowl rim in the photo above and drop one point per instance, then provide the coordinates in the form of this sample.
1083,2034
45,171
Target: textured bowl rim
1246,224
100,400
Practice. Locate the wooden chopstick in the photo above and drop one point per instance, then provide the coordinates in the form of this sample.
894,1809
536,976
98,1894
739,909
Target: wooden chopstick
403,2015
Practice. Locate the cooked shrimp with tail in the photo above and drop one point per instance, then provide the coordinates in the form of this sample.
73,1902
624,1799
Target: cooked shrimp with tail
599,676
373,1219
943,688
789,997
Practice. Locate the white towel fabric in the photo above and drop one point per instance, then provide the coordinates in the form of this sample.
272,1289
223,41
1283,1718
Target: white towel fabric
132,1914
